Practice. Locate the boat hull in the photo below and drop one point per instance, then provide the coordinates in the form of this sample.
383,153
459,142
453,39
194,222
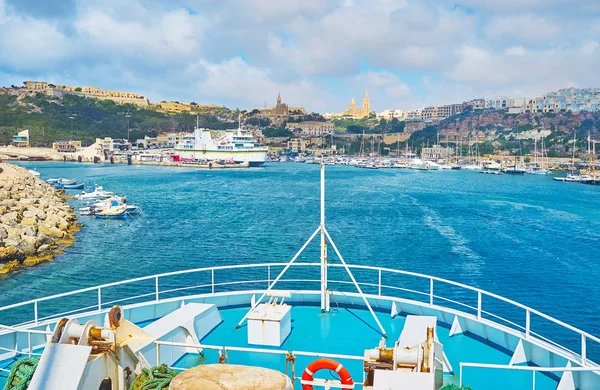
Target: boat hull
255,158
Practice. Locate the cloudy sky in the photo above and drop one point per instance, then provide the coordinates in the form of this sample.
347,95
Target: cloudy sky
317,53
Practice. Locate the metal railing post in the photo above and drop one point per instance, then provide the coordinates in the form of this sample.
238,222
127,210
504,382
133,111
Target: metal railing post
268,275
156,288
212,283
35,311
29,342
460,375
478,305
527,323
430,291
99,298
158,354
379,284
533,380
583,350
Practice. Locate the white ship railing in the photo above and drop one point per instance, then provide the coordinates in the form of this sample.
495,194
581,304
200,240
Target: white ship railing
533,369
290,359
431,298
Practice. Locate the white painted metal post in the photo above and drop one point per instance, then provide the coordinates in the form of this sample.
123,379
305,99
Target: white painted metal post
533,380
288,265
324,295
156,288
460,375
430,291
158,354
35,311
379,284
527,323
212,282
99,298
478,305
360,292
583,350
268,275
29,342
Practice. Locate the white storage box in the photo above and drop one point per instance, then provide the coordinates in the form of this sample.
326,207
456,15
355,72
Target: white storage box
269,324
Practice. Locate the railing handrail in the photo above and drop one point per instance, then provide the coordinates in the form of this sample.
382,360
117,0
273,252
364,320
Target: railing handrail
529,368
258,350
303,264
533,369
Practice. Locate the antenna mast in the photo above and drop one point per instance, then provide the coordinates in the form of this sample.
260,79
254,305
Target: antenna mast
325,237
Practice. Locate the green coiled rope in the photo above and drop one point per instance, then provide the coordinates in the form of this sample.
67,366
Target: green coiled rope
155,378
454,387
21,373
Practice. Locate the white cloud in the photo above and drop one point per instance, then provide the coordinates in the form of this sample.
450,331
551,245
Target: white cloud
171,33
524,28
237,80
531,74
389,83
518,51
2,12
589,48
28,43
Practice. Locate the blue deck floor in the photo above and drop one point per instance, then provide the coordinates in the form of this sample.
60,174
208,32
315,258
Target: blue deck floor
350,331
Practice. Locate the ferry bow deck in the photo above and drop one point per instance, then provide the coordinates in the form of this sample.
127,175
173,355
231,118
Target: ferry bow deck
471,333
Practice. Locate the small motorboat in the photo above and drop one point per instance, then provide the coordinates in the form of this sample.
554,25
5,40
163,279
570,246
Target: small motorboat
86,210
68,182
133,209
73,186
52,180
98,193
112,212
110,202
33,172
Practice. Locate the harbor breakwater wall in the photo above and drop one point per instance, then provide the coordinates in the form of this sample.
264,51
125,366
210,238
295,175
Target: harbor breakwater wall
35,220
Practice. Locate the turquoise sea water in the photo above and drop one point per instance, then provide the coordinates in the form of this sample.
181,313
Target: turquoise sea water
527,238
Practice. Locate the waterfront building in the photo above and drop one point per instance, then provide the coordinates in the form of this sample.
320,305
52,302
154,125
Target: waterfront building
436,152
312,128
107,145
297,145
21,140
66,146
359,113
90,92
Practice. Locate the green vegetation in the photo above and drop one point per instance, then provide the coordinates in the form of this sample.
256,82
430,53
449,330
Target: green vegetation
314,117
48,119
277,132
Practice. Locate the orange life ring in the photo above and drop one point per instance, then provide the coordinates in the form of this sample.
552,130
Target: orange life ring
326,364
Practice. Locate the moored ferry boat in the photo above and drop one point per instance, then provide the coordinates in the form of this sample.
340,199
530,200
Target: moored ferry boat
235,145
326,324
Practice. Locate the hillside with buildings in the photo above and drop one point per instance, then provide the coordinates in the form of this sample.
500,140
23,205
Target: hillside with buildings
51,118
42,114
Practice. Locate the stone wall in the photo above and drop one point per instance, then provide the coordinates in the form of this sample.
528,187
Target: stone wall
35,220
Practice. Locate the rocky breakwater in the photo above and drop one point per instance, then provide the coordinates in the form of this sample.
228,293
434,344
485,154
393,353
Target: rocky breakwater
35,220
